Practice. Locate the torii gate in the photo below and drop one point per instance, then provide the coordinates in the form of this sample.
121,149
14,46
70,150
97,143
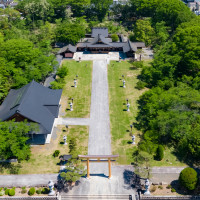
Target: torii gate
98,158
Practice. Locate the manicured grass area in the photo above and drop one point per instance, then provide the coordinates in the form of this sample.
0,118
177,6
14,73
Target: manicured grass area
42,160
81,94
169,159
121,119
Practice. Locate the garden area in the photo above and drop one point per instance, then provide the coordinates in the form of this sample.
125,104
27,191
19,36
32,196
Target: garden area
44,159
121,119
82,72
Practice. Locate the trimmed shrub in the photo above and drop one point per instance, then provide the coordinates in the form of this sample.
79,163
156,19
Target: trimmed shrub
31,191
160,153
160,187
6,191
24,191
2,192
56,153
188,178
62,71
11,192
39,191
173,190
153,189
140,85
114,37
169,187
45,191
24,188
5,188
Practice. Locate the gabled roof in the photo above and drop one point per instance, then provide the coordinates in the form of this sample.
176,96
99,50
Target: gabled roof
68,48
132,46
100,38
35,102
99,31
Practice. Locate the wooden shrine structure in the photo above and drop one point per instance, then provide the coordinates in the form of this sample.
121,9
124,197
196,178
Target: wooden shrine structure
98,158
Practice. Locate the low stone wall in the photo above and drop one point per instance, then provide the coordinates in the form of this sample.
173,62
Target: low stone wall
29,198
187,197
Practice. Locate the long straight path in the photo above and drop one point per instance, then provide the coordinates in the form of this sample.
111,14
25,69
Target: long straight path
99,131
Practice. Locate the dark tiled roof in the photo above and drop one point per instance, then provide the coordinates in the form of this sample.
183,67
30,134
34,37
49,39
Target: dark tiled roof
99,31
35,102
68,48
100,38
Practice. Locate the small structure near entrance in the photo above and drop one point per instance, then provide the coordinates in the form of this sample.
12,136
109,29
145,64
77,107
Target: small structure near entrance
33,103
98,158
100,42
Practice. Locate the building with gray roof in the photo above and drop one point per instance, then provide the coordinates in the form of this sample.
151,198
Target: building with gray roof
100,42
34,103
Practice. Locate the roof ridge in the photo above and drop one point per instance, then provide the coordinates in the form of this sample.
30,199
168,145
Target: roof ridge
27,90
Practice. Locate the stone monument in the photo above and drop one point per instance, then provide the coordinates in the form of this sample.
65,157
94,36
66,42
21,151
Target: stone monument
147,185
124,83
133,139
128,106
51,186
71,106
75,83
65,139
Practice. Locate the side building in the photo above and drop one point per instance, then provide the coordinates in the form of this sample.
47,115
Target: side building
33,103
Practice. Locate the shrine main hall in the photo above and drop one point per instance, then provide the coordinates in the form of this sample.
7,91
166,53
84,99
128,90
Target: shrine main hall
100,42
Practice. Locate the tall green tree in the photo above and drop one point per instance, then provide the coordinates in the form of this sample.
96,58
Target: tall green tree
13,140
100,8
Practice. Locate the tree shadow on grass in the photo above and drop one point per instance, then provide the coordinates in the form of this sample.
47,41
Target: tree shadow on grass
11,168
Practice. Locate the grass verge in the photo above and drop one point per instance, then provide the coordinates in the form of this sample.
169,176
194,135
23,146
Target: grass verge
42,160
121,119
81,94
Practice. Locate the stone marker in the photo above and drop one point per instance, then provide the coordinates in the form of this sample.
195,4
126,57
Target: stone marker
51,186
147,185
65,139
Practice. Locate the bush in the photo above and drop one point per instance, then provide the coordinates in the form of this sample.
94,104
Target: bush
62,71
39,191
6,191
188,178
2,192
153,189
5,188
72,145
169,187
45,191
24,188
11,192
55,85
31,191
173,190
56,153
160,187
160,153
114,37
23,191
140,85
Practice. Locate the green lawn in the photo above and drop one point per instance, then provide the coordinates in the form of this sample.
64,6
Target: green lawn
81,94
121,119
42,160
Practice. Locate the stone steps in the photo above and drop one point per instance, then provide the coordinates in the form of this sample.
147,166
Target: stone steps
96,197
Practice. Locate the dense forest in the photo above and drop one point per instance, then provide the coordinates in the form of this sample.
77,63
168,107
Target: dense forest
169,112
